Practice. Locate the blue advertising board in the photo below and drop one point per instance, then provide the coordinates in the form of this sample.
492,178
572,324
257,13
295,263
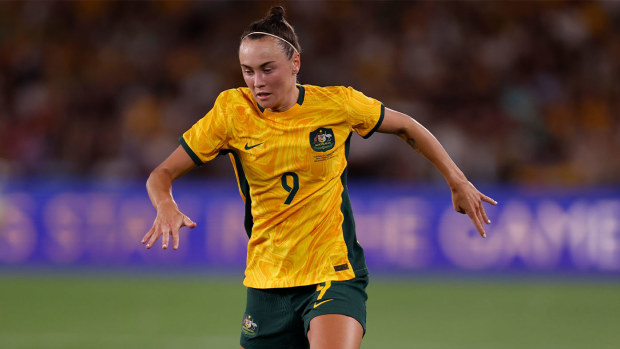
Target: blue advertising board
401,227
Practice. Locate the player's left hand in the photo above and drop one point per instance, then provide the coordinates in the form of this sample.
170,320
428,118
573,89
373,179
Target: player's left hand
468,200
167,223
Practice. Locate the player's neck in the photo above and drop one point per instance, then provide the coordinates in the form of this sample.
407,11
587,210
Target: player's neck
290,101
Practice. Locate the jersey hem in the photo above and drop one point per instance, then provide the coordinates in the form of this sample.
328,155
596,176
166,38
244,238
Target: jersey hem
356,273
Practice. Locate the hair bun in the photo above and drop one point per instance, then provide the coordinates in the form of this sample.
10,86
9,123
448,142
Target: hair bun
277,13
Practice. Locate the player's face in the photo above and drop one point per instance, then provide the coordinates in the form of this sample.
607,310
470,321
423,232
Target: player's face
269,74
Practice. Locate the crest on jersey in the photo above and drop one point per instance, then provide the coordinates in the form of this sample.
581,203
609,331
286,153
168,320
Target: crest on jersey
249,326
322,139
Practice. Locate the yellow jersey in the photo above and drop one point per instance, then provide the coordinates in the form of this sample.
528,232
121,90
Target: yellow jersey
291,170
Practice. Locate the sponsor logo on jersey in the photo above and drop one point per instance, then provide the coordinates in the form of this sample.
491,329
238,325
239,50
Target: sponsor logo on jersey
322,139
249,326
252,146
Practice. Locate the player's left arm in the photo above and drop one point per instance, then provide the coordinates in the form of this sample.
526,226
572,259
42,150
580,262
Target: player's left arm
465,197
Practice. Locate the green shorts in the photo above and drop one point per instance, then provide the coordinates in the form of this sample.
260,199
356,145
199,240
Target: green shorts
280,317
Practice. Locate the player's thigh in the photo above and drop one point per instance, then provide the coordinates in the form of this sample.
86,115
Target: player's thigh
335,331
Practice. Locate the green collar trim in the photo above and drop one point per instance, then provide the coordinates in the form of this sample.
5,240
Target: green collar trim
300,99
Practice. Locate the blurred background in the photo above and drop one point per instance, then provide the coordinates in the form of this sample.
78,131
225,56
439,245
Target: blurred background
523,95
518,92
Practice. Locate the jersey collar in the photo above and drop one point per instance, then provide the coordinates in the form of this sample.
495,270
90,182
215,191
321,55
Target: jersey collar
300,99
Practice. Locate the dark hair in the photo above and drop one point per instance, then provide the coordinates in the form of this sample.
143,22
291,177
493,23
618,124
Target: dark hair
274,23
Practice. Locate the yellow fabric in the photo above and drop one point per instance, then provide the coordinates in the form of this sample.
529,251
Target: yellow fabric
299,242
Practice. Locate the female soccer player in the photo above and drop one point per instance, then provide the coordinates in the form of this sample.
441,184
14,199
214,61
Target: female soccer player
306,274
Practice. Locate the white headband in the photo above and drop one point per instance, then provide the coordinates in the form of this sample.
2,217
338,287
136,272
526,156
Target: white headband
275,36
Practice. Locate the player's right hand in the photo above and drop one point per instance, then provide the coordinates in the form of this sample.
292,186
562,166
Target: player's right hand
168,222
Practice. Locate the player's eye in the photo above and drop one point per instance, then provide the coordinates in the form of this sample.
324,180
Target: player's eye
248,72
267,70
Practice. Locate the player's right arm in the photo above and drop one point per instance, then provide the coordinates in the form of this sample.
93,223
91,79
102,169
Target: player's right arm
159,187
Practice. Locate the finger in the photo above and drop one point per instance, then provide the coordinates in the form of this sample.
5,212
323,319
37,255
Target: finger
481,214
188,222
175,239
488,199
164,240
477,222
147,235
154,238
485,218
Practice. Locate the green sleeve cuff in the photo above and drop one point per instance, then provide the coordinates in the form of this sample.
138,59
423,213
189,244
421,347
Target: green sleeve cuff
378,122
190,152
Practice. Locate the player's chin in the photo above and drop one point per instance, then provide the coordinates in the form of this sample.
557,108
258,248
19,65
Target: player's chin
267,103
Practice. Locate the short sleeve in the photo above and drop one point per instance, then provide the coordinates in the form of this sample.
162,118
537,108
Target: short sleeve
365,113
204,140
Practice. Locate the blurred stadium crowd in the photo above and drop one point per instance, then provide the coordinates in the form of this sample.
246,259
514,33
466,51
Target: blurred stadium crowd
518,92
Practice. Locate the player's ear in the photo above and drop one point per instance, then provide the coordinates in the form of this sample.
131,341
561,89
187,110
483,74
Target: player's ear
296,63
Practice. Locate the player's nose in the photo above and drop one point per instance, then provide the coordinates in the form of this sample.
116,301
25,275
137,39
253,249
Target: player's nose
259,80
